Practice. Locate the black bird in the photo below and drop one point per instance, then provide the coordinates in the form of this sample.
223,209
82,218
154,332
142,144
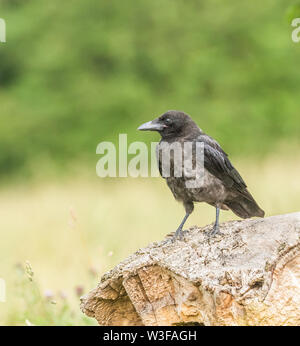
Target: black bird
222,186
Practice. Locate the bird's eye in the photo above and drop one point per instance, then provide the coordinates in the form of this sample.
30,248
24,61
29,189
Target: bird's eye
168,121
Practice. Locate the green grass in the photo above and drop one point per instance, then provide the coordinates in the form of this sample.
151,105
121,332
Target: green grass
72,231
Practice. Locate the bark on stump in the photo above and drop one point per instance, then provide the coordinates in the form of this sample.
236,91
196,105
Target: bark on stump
250,275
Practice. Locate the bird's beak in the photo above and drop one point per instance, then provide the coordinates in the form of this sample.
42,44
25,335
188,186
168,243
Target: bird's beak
153,125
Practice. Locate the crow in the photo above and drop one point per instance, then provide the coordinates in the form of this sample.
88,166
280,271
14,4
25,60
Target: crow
222,186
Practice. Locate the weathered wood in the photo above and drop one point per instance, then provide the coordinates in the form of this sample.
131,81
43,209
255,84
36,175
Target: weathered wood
248,276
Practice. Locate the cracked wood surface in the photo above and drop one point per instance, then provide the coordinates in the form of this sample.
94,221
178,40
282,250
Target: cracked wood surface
250,275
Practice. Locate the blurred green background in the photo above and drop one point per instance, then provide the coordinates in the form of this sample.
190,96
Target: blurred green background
73,74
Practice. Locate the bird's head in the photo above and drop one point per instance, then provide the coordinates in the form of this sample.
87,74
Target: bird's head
171,124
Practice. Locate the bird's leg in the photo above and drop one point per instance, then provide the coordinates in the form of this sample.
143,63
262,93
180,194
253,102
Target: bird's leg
189,207
215,229
178,232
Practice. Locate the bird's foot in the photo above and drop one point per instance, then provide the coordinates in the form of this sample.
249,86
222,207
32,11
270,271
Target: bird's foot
214,231
166,241
169,240
179,234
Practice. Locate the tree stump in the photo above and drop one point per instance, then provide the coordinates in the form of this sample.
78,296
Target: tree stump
250,275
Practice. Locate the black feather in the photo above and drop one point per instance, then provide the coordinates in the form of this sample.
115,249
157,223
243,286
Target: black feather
222,187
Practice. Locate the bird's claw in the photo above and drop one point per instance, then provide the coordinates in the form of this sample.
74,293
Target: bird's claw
178,235
214,231
175,237
166,241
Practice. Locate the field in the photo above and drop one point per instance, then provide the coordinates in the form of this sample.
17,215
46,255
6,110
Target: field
71,231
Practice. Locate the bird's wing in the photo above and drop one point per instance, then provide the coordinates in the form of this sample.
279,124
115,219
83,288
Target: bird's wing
211,142
218,164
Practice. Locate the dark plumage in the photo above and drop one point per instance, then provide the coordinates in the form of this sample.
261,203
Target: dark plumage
222,186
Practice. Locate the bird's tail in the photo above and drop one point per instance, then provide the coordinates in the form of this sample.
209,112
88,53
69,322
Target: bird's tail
245,206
